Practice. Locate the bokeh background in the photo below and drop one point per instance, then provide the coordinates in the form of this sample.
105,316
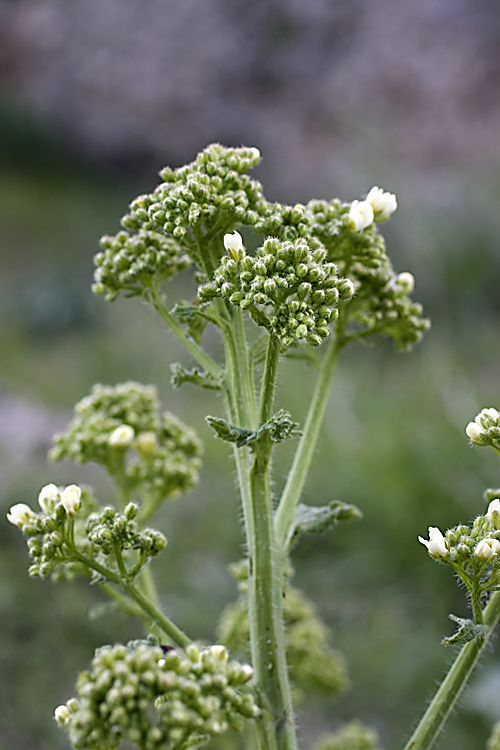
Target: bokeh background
339,95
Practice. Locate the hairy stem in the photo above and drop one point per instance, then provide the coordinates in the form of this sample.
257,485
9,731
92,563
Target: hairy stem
307,444
450,689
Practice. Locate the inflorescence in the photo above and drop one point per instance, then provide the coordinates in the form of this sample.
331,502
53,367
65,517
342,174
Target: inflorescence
156,700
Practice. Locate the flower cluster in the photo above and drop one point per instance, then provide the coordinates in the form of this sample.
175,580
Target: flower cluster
485,430
122,428
474,550
112,531
352,736
293,280
152,699
314,664
52,531
206,198
132,263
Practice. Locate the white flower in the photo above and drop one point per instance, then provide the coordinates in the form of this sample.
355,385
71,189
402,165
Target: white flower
20,514
360,215
121,437
436,545
47,497
488,416
234,246
487,549
493,513
406,280
146,442
61,714
474,432
71,498
383,204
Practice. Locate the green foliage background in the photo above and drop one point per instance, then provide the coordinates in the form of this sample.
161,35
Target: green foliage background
393,444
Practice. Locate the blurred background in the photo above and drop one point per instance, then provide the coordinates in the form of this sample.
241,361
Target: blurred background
339,95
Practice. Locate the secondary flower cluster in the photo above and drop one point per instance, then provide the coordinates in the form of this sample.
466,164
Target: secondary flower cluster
111,531
122,428
132,263
48,531
291,278
471,551
157,700
485,430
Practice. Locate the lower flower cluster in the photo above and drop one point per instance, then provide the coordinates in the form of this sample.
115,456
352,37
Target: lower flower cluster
155,698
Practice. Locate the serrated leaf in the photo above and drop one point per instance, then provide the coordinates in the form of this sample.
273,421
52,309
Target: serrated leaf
202,379
193,317
310,519
466,632
230,432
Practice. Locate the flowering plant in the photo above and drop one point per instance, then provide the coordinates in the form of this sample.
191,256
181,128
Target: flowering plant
319,281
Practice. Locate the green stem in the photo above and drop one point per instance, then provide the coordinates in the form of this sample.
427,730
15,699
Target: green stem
168,627
199,354
450,689
307,445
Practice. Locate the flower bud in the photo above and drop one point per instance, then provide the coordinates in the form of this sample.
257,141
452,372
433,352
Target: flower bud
146,443
121,437
383,204
437,544
487,549
234,246
48,497
360,215
61,715
493,513
406,281
71,499
474,432
20,514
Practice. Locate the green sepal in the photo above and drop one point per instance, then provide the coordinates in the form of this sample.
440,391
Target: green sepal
279,428
200,378
310,519
467,631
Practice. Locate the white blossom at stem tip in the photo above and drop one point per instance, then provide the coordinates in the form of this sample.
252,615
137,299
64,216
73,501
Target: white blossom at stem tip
436,545
122,437
360,215
406,281
383,204
20,514
234,246
47,497
474,432
71,499
487,549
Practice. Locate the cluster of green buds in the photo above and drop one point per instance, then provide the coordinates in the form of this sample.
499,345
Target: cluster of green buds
291,278
314,664
352,736
485,430
157,699
115,532
132,263
51,533
472,551
146,451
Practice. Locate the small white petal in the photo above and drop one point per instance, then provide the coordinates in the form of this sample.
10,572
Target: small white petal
122,436
71,498
437,544
360,215
487,549
406,280
383,204
473,431
47,497
20,514
61,714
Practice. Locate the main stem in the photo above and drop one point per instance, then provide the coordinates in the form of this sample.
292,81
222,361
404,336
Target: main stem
307,445
450,689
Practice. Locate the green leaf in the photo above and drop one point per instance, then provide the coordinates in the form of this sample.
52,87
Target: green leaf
279,428
193,317
202,379
310,519
467,631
